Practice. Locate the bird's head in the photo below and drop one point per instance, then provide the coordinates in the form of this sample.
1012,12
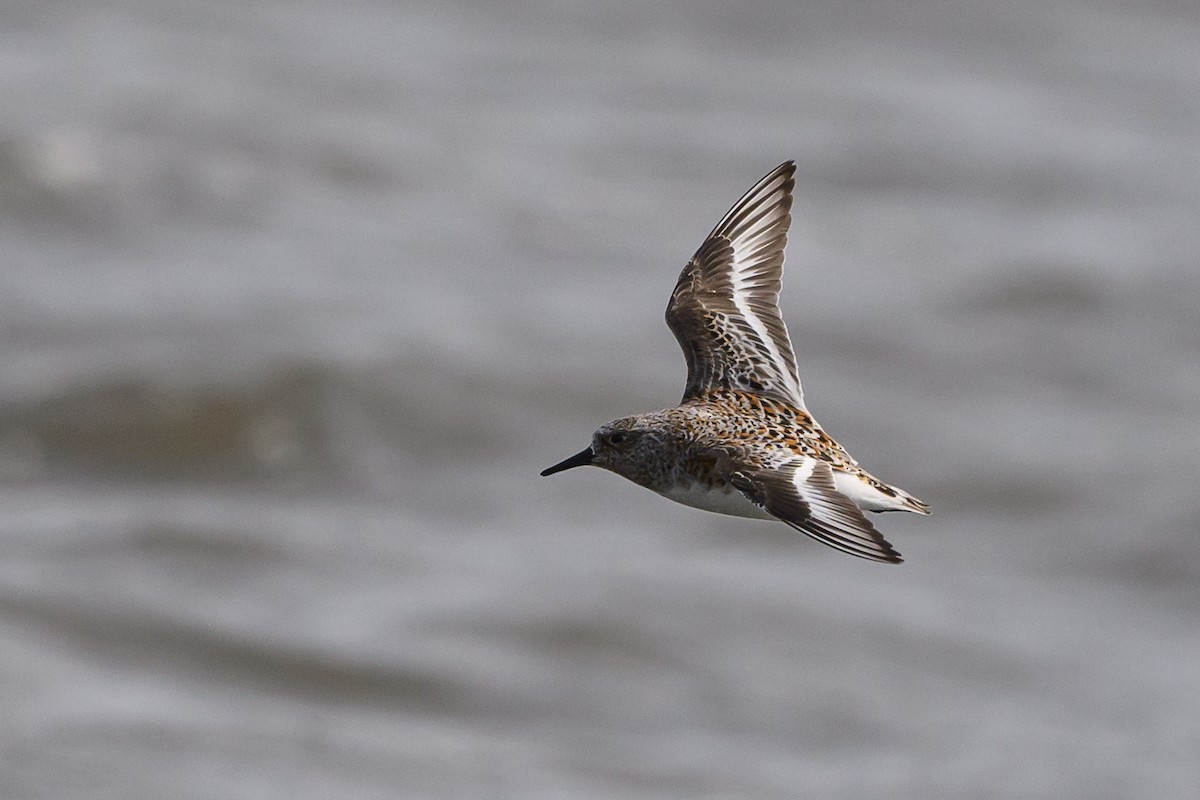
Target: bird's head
624,446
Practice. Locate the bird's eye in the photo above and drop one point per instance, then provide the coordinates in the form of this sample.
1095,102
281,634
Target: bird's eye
616,438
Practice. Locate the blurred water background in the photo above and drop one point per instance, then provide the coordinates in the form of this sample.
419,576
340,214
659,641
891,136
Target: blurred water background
297,298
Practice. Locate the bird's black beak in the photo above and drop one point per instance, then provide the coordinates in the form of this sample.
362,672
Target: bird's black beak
578,460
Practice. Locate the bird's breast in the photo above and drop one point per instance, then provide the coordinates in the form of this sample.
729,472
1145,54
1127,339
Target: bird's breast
718,499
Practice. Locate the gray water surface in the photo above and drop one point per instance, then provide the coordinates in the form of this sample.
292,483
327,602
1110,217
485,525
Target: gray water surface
296,299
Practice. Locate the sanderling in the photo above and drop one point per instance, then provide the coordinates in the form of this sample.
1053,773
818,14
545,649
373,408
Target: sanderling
741,441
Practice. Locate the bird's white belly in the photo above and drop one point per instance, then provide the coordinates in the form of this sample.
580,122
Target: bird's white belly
720,501
732,502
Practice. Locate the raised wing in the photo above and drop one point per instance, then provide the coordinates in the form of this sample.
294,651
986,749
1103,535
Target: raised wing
725,307
802,494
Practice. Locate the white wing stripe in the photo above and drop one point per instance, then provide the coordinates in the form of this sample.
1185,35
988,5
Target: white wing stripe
739,300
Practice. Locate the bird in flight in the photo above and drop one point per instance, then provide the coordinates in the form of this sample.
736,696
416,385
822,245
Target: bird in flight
741,441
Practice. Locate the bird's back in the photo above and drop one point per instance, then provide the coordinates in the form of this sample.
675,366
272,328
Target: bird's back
768,433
